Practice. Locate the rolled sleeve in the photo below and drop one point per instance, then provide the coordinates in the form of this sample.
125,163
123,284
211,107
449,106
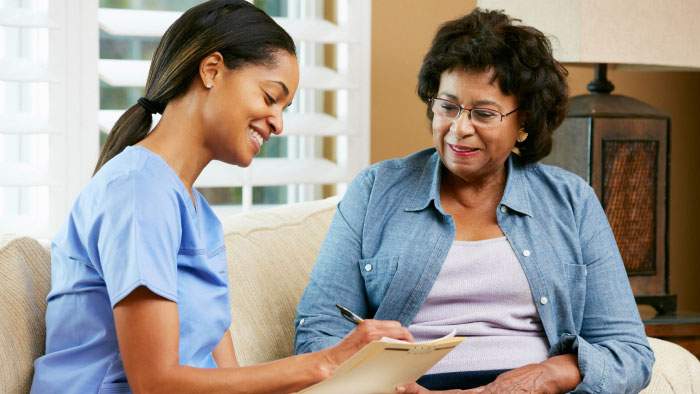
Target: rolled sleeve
614,355
591,362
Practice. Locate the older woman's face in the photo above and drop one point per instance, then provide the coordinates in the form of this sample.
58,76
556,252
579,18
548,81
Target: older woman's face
468,150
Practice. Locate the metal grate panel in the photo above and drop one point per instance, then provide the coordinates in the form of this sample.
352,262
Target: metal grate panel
629,200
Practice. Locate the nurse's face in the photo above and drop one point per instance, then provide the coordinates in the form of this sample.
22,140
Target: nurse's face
244,107
474,147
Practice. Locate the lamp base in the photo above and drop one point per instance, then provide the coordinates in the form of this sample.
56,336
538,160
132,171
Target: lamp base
600,84
621,147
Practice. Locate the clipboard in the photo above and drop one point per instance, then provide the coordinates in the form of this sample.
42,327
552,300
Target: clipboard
382,365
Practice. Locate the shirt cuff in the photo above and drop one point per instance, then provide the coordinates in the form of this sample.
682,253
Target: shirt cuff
591,363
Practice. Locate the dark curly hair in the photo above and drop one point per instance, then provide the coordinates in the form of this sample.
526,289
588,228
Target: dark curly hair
523,65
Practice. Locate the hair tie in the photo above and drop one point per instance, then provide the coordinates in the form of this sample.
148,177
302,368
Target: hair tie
150,106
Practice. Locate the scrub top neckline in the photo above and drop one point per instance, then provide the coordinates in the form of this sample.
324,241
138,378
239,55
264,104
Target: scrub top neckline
191,206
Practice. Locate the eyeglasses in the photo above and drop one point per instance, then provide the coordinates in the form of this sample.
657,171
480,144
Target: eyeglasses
483,117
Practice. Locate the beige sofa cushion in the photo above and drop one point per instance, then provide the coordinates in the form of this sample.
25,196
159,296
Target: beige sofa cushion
676,370
270,255
25,279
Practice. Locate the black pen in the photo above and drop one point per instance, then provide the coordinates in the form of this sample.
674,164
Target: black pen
348,315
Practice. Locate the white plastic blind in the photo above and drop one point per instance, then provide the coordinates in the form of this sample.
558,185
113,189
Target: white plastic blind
325,141
48,110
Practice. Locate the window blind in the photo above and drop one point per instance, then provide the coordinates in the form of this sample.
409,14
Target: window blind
61,92
325,141
47,133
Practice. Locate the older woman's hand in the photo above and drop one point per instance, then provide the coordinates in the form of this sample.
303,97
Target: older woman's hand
558,374
415,388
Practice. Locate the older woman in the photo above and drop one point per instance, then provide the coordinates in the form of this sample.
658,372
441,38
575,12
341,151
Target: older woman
475,235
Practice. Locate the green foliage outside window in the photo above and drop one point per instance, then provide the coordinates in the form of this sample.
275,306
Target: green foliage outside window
270,195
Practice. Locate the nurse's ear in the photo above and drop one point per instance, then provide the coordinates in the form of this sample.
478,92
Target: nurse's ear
211,68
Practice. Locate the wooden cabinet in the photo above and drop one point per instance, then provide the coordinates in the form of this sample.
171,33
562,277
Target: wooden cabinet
682,328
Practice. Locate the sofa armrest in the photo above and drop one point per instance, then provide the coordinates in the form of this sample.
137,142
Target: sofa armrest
675,371
25,280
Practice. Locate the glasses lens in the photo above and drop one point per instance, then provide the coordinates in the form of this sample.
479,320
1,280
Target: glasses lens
445,108
486,117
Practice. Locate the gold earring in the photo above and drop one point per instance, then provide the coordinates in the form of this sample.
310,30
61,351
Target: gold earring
522,135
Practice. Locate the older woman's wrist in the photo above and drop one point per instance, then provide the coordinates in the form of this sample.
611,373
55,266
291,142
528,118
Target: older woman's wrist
564,369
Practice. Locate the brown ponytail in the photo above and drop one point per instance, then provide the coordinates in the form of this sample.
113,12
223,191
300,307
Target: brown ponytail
241,32
132,127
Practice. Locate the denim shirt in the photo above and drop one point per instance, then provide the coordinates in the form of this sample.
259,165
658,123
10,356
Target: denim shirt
390,235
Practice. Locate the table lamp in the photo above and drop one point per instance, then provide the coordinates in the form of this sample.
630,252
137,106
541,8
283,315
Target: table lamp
618,144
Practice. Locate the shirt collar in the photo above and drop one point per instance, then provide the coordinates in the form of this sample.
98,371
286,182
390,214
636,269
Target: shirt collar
515,195
428,187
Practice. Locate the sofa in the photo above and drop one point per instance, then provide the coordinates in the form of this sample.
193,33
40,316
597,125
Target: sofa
270,255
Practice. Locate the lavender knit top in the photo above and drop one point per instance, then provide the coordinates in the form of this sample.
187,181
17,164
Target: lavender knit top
482,292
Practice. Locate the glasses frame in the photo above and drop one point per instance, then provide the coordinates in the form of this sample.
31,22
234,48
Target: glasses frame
469,110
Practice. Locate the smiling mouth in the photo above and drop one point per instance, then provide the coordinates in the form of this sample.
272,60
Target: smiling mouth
462,149
256,136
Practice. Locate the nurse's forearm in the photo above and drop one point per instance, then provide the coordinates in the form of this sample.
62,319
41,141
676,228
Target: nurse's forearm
223,354
283,376
148,334
147,331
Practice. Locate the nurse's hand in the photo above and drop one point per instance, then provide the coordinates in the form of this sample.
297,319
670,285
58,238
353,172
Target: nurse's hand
367,331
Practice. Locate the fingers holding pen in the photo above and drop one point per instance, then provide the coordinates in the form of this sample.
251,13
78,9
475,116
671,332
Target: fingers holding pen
366,331
373,330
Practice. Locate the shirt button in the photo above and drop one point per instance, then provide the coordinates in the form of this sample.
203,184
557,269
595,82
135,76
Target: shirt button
503,208
543,300
368,267
301,321
526,252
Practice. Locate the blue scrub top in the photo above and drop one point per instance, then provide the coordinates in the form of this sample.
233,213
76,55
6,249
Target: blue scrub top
133,225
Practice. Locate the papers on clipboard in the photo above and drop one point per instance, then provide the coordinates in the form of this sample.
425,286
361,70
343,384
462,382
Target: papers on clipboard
382,365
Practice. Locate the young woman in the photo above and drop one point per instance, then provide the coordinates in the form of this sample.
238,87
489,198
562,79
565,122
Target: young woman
139,299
